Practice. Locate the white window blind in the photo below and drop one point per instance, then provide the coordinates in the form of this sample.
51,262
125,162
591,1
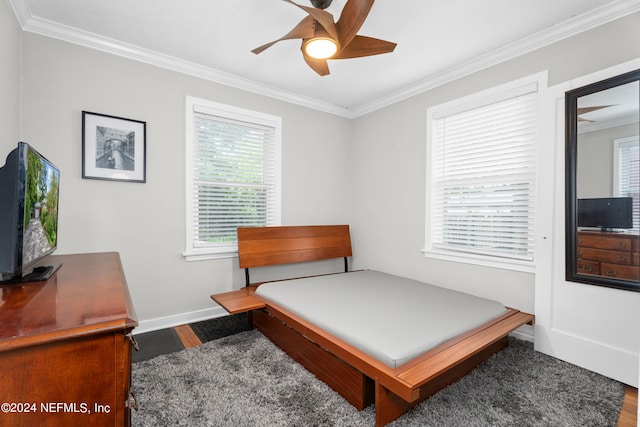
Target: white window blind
233,175
627,184
483,177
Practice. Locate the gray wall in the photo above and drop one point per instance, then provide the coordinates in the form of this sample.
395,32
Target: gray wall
595,165
389,165
145,223
9,78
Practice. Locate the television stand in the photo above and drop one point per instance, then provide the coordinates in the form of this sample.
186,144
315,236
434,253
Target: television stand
65,346
38,274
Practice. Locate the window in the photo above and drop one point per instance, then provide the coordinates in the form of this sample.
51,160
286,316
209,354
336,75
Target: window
627,173
481,180
233,175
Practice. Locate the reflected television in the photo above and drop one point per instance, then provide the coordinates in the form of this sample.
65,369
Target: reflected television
29,191
607,213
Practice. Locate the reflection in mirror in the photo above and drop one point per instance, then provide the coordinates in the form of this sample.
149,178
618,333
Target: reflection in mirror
603,183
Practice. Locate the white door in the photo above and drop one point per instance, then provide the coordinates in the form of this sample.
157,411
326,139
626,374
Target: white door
595,327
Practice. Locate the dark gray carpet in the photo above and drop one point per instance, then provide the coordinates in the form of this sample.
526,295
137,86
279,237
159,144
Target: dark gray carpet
244,380
152,344
220,327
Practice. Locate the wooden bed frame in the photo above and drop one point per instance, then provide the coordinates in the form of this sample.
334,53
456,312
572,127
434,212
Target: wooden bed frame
361,379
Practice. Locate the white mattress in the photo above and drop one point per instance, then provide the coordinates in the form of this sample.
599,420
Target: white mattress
391,318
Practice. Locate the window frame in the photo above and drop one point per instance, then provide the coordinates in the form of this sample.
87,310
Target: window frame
493,95
193,251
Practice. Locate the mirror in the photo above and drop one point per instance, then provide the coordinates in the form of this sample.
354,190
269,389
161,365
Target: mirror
603,183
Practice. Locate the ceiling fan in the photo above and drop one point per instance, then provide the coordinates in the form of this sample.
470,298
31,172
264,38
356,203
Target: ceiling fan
324,39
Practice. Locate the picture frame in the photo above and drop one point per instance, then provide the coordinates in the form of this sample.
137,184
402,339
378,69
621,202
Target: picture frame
113,148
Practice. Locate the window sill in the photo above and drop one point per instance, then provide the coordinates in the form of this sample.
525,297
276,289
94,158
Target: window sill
494,262
204,256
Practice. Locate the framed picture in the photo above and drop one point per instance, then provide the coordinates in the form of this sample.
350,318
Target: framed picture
113,148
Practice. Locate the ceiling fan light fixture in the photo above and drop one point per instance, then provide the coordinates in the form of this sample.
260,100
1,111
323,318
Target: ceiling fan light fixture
321,4
320,47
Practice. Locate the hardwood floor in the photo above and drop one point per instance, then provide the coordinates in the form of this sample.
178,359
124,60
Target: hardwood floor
628,414
187,336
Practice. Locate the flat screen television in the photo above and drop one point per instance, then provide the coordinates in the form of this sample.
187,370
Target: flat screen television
606,213
29,195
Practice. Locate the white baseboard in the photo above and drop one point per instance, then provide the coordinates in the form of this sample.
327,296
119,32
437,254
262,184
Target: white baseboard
178,319
524,332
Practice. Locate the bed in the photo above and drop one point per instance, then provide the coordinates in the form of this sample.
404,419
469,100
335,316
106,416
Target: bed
373,337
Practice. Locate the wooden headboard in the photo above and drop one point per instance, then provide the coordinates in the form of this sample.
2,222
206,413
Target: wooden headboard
263,246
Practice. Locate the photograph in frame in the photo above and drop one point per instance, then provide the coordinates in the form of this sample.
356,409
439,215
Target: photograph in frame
113,148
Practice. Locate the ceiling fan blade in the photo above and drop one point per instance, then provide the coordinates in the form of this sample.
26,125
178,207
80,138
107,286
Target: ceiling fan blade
320,66
325,19
304,30
585,110
365,46
589,109
351,19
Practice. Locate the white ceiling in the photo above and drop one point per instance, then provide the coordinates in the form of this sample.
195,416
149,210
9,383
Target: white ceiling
438,41
620,107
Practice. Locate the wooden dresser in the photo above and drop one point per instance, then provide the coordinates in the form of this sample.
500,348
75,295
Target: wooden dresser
65,346
607,254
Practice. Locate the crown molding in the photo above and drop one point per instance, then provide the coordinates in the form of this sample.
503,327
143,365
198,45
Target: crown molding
72,35
22,11
579,24
567,29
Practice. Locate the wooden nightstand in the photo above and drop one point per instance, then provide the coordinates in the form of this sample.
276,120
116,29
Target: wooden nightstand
239,301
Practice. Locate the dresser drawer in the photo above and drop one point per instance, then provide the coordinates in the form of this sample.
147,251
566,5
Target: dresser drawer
603,241
588,267
603,255
630,272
